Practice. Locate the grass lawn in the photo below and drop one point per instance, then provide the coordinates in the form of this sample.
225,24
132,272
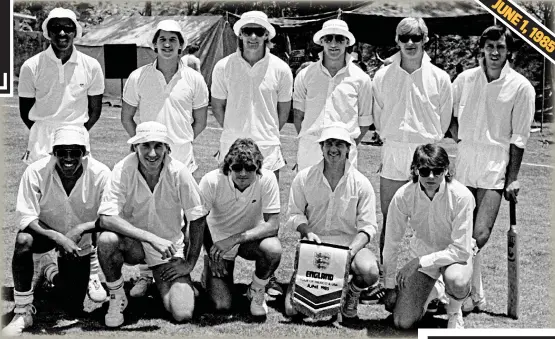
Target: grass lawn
146,315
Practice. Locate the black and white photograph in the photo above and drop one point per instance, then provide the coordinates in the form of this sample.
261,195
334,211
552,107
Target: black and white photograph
302,168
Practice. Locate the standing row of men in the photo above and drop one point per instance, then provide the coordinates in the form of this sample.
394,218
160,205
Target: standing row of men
152,210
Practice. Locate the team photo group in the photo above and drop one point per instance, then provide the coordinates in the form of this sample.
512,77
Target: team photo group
78,220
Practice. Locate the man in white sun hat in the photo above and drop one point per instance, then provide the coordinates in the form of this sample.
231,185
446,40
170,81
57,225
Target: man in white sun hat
171,93
331,90
142,212
251,91
59,86
322,190
412,106
57,208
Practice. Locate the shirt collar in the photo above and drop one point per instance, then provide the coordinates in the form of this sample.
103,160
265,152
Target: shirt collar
440,190
348,60
396,59
348,167
266,56
72,59
506,69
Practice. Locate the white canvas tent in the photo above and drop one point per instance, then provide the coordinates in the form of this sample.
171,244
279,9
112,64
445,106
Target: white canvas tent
213,34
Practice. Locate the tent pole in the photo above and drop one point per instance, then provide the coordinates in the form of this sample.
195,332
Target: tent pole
543,95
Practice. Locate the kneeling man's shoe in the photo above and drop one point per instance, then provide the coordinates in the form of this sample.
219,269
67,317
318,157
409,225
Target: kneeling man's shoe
258,301
22,319
95,290
350,305
455,320
469,305
118,303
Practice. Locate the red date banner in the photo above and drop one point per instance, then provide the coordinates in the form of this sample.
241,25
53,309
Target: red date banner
6,49
523,24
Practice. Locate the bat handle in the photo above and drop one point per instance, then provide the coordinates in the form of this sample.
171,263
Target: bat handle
512,212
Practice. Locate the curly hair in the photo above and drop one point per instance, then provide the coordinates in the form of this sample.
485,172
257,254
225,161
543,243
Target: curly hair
430,155
243,151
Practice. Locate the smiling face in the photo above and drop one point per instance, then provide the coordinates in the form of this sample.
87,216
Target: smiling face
61,31
495,53
69,158
411,45
253,37
151,155
335,151
334,46
168,45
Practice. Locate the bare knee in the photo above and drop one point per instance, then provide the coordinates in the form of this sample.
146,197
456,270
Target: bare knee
222,304
366,267
457,284
23,242
182,313
403,323
107,242
482,237
271,248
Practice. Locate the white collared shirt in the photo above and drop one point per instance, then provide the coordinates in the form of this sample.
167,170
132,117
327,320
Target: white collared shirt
412,108
233,211
252,95
325,100
172,103
60,90
442,226
160,211
334,216
494,113
42,196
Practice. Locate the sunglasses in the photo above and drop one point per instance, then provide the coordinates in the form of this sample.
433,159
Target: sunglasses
414,37
425,171
56,28
338,38
258,31
239,167
72,153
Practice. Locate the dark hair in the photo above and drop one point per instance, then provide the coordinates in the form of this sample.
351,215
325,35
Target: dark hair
192,49
429,155
343,141
243,150
157,34
495,33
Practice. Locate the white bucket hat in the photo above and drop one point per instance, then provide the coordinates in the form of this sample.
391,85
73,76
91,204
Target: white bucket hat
150,131
169,26
71,135
335,132
254,17
334,26
62,13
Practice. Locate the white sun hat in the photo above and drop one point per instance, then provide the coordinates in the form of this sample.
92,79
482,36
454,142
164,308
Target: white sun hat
150,131
169,26
334,26
335,131
71,135
62,13
255,17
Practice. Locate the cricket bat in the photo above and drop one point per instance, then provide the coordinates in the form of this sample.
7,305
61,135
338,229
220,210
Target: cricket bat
512,264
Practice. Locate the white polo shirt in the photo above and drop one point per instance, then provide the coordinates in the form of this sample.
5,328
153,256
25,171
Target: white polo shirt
252,95
60,90
498,113
172,103
345,97
442,227
159,212
233,211
412,108
334,216
42,196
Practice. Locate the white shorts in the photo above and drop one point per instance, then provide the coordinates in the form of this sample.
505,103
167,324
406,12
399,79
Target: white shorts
273,159
396,160
41,138
184,153
154,258
310,153
481,166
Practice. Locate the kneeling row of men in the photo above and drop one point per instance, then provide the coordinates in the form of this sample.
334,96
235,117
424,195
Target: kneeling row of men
150,209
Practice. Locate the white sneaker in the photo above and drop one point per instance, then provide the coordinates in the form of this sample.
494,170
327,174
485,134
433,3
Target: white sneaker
118,303
141,287
455,321
22,319
258,301
469,305
95,290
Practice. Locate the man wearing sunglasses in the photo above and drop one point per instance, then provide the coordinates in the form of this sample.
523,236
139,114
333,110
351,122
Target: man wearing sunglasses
333,202
143,213
439,210
331,90
251,91
243,199
493,110
412,106
57,208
